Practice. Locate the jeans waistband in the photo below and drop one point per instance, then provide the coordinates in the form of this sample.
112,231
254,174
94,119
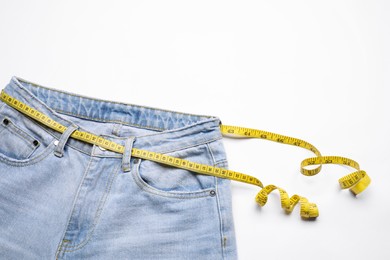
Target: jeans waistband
164,130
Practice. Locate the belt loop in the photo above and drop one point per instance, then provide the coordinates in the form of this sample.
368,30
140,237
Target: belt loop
127,153
59,151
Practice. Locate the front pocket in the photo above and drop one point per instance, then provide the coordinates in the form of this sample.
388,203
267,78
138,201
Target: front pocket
170,181
14,142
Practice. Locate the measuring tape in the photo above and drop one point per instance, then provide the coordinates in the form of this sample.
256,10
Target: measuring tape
356,181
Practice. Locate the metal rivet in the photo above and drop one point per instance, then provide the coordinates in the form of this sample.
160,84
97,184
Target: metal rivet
35,143
212,193
5,121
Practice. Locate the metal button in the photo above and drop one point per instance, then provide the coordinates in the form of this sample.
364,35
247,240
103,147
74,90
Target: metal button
5,121
35,143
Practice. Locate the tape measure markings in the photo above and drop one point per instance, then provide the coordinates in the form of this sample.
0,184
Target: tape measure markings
356,181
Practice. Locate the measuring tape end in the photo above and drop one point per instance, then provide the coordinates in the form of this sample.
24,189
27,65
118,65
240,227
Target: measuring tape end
359,188
357,182
309,211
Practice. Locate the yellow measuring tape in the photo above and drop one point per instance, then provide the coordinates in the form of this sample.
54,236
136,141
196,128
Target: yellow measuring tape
356,181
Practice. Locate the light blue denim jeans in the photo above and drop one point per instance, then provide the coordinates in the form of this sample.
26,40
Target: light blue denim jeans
61,198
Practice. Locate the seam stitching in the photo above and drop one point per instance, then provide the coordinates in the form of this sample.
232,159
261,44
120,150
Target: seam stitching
189,194
40,126
221,224
61,246
15,131
48,150
102,202
20,132
177,195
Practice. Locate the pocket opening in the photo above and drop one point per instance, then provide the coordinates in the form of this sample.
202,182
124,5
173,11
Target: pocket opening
170,181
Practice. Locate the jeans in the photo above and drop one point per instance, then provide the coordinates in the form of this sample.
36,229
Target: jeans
61,198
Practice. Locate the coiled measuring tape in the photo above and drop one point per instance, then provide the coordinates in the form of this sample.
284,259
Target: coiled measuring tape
356,181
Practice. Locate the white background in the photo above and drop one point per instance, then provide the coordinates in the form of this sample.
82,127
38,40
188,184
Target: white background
316,70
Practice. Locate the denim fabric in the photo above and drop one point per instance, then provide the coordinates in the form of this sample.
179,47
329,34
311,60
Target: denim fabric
84,202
